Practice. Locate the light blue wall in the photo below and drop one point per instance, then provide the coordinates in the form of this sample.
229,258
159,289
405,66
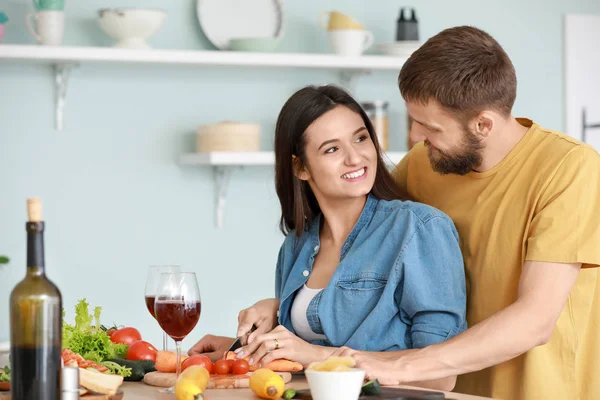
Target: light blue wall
116,201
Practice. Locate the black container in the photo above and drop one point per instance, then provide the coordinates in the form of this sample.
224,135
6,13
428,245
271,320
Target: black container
407,29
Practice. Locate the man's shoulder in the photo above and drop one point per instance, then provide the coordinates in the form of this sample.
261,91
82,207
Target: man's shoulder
558,151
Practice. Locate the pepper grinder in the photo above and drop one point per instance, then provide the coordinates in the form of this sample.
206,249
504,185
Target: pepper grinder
407,29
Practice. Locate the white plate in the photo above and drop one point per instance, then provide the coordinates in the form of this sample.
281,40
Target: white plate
402,49
222,20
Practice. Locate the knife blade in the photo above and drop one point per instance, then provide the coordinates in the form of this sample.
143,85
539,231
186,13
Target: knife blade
238,342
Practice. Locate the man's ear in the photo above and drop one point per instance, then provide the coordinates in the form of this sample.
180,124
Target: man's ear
483,124
300,170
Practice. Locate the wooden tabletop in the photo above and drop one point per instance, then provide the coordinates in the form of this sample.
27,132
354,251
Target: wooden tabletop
141,391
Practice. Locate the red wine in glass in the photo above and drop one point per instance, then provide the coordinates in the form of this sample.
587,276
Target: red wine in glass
152,281
177,308
150,305
177,317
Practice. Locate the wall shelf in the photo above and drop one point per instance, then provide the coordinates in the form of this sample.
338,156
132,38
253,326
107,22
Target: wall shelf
224,163
64,58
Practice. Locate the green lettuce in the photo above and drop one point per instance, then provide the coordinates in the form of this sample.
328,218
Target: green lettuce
88,340
5,374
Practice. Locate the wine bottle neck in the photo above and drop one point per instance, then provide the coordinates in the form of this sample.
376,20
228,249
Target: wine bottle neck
35,247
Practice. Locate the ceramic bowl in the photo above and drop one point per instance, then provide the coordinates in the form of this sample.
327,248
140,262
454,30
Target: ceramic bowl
328,385
131,27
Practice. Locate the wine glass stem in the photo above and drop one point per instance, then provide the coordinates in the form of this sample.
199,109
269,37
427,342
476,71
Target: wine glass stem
165,341
178,367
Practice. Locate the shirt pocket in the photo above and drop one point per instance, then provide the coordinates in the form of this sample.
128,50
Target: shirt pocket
356,297
362,282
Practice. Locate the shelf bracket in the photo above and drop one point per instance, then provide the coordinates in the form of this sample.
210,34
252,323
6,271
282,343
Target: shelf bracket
348,78
62,73
221,175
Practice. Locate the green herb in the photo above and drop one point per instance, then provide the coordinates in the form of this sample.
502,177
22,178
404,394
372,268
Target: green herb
88,340
289,394
117,369
5,374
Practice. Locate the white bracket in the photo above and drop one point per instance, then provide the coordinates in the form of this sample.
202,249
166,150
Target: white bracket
348,78
62,73
221,176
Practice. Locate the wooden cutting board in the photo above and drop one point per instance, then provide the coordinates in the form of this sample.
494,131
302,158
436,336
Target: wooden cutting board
165,379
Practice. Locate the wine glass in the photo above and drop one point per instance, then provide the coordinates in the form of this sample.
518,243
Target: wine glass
177,307
152,279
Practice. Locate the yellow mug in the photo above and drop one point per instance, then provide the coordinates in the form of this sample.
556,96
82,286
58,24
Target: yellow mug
338,20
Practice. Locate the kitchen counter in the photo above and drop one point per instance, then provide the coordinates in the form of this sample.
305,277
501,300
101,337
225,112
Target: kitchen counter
141,391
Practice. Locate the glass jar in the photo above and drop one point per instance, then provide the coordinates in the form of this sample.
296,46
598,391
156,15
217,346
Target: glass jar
378,114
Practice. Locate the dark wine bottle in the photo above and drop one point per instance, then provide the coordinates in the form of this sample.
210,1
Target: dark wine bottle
35,322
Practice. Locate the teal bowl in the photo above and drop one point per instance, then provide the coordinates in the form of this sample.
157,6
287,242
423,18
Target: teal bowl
266,44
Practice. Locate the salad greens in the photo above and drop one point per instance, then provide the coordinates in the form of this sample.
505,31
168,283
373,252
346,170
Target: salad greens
88,340
5,374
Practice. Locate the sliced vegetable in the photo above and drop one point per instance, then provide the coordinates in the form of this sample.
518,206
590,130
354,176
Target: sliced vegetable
371,388
289,394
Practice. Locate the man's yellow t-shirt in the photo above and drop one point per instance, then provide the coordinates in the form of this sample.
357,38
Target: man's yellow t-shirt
541,203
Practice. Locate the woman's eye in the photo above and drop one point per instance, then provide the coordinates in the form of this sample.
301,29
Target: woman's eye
362,138
331,150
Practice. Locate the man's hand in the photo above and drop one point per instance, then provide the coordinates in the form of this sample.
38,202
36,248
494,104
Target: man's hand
214,347
376,366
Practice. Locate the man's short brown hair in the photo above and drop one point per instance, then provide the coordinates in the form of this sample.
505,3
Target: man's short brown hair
464,69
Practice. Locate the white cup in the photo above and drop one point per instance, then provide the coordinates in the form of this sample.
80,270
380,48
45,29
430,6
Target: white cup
350,42
48,27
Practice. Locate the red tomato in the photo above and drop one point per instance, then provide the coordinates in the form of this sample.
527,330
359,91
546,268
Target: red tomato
221,367
198,359
126,335
111,331
141,350
240,367
230,363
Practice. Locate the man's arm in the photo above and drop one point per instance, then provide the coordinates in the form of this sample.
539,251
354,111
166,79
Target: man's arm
544,288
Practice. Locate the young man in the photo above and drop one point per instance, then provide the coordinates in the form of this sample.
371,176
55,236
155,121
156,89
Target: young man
526,203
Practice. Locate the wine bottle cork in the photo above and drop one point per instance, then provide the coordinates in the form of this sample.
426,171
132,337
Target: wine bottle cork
34,209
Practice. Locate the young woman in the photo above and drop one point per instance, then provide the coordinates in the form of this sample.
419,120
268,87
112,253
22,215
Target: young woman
359,267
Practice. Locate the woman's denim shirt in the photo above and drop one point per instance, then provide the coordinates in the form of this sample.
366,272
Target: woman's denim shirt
400,283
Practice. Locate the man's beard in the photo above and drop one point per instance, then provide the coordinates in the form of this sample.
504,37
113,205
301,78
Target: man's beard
468,157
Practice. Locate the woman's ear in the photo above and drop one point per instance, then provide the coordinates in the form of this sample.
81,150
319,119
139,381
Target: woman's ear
300,170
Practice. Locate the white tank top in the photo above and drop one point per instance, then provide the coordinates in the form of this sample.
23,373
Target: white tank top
299,319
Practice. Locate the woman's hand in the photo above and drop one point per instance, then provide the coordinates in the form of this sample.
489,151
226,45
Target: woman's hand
281,343
263,315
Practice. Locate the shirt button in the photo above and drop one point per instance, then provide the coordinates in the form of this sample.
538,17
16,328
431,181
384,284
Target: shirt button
317,248
305,272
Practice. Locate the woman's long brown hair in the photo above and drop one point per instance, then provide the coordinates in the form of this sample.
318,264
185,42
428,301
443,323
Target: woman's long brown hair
298,203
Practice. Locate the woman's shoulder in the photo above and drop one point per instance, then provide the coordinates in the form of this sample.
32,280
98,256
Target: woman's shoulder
406,208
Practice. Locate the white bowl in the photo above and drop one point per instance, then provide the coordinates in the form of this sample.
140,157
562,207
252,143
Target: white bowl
326,385
131,27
